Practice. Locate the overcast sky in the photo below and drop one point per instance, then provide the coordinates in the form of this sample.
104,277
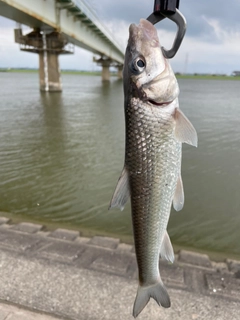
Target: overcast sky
211,44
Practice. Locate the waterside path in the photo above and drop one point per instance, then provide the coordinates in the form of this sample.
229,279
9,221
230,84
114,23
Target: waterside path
47,275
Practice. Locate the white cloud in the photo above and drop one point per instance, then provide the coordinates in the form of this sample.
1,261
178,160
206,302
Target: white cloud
119,29
218,56
80,60
227,36
202,55
10,54
215,52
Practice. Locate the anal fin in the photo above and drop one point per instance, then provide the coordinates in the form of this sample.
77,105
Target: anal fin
122,191
166,251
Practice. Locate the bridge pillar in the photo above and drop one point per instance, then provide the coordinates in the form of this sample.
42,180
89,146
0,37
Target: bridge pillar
105,63
105,69
49,73
49,46
120,71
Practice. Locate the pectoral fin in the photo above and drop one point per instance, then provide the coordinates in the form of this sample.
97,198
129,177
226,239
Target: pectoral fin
178,199
184,130
122,191
166,251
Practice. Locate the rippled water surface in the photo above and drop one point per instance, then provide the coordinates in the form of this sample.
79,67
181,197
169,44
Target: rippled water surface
61,155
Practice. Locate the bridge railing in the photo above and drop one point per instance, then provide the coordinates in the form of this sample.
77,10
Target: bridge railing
84,7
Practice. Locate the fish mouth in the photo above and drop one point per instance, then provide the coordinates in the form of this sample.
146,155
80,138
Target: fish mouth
159,104
144,31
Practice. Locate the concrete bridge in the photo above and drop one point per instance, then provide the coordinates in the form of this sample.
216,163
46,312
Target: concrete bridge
57,26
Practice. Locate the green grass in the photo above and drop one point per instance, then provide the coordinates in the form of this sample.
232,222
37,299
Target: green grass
98,73
62,71
207,77
20,70
87,73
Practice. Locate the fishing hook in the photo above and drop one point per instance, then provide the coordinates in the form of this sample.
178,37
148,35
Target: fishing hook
169,9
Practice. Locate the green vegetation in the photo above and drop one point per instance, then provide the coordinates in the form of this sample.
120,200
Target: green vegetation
62,71
18,70
87,73
206,77
77,72
98,73
23,70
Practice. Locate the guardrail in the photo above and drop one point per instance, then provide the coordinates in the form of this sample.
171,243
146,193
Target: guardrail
84,7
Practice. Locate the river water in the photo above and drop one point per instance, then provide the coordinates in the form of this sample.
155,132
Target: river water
61,155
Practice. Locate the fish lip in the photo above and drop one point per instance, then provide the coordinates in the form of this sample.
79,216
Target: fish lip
159,104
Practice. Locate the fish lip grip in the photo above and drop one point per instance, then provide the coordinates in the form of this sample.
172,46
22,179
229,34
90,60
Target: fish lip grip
169,9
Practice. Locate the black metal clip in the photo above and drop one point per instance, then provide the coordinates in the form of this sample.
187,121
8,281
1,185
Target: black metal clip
169,9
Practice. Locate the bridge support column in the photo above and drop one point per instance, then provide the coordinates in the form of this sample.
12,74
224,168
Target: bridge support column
105,63
120,72
49,46
105,70
49,73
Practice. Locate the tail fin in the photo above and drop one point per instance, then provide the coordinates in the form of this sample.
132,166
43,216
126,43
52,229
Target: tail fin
157,291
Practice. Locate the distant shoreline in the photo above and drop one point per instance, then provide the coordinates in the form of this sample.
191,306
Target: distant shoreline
91,73
98,73
207,77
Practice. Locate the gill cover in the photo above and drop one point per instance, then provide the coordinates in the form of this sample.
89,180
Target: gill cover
146,67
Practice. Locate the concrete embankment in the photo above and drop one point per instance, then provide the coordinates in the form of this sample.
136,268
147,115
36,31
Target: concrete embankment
59,274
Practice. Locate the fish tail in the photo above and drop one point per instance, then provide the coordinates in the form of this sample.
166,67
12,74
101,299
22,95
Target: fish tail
157,291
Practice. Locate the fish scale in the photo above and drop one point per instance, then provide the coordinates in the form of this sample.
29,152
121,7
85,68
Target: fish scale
152,181
151,177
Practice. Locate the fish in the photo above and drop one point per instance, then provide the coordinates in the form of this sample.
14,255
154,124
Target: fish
155,129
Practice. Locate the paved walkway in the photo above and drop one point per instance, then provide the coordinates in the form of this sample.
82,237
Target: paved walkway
10,312
61,275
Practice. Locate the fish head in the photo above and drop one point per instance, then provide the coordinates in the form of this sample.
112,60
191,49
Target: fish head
147,73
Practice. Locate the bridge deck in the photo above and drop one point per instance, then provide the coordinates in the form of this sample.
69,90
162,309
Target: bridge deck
74,18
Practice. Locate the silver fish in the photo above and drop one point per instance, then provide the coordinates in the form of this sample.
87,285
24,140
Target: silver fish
151,177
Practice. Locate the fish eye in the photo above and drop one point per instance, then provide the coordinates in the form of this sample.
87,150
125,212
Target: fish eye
138,65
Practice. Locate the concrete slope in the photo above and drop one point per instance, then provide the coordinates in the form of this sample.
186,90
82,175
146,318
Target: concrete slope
71,277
